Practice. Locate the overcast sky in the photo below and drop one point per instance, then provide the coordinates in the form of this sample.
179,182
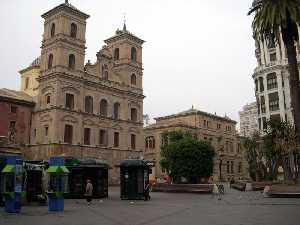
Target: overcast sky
197,52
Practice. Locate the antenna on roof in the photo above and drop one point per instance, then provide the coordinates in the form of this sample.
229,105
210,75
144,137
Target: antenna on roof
124,21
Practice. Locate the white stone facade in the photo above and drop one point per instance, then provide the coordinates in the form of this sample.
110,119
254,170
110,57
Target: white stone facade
271,78
248,119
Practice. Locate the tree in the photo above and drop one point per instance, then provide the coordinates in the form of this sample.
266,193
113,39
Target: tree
282,138
254,154
275,17
185,156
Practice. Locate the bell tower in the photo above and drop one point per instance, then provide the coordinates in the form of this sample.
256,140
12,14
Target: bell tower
126,51
63,45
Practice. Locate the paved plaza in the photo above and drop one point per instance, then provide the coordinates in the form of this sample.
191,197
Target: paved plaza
235,208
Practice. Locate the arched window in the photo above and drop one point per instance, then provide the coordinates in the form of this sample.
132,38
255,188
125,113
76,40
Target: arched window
103,107
72,61
117,110
89,104
133,115
73,30
52,33
116,54
105,72
50,61
133,79
133,54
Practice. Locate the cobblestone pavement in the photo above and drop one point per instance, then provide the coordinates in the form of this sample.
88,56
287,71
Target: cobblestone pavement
235,208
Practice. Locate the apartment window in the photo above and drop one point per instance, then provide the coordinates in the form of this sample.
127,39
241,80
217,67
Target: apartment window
26,82
13,109
87,136
116,110
103,107
263,104
105,72
116,139
273,101
133,137
103,137
133,114
271,43
256,85
273,57
261,84
259,123
271,81
73,30
46,130
150,142
68,135
88,104
218,126
275,117
69,101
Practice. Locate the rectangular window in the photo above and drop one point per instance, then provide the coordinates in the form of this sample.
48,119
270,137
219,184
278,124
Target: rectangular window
68,135
48,99
271,81
259,123
232,167
103,137
263,104
273,101
69,101
273,57
261,84
26,82
46,131
240,167
87,136
264,123
228,167
116,139
132,141
13,109
204,123
133,114
218,126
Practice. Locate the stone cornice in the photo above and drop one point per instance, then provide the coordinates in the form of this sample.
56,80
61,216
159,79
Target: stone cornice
78,112
65,7
17,101
28,68
85,81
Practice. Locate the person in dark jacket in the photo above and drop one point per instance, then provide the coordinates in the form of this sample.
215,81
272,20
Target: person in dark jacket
147,192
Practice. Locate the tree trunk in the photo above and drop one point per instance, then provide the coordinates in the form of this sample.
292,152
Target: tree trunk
293,69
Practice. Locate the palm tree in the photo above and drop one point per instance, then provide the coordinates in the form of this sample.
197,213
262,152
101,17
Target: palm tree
275,17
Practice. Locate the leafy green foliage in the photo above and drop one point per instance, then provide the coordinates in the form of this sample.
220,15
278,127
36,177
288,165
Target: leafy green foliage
271,15
185,156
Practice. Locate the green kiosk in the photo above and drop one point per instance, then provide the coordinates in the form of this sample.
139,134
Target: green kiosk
134,175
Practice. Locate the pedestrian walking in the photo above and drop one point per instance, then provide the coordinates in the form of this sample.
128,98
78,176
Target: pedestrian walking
89,191
147,192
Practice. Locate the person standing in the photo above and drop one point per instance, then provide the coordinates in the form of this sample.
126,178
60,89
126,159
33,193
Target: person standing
147,192
89,191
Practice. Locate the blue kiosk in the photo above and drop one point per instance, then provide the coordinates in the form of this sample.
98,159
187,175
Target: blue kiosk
11,183
58,183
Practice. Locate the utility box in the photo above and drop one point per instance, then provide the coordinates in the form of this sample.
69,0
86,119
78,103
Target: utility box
134,175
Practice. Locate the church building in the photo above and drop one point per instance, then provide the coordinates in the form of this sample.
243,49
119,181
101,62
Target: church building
91,110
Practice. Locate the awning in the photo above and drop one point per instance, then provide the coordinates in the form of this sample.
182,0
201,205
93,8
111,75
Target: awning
58,169
9,169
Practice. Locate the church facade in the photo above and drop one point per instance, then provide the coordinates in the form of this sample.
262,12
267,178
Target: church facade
85,110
